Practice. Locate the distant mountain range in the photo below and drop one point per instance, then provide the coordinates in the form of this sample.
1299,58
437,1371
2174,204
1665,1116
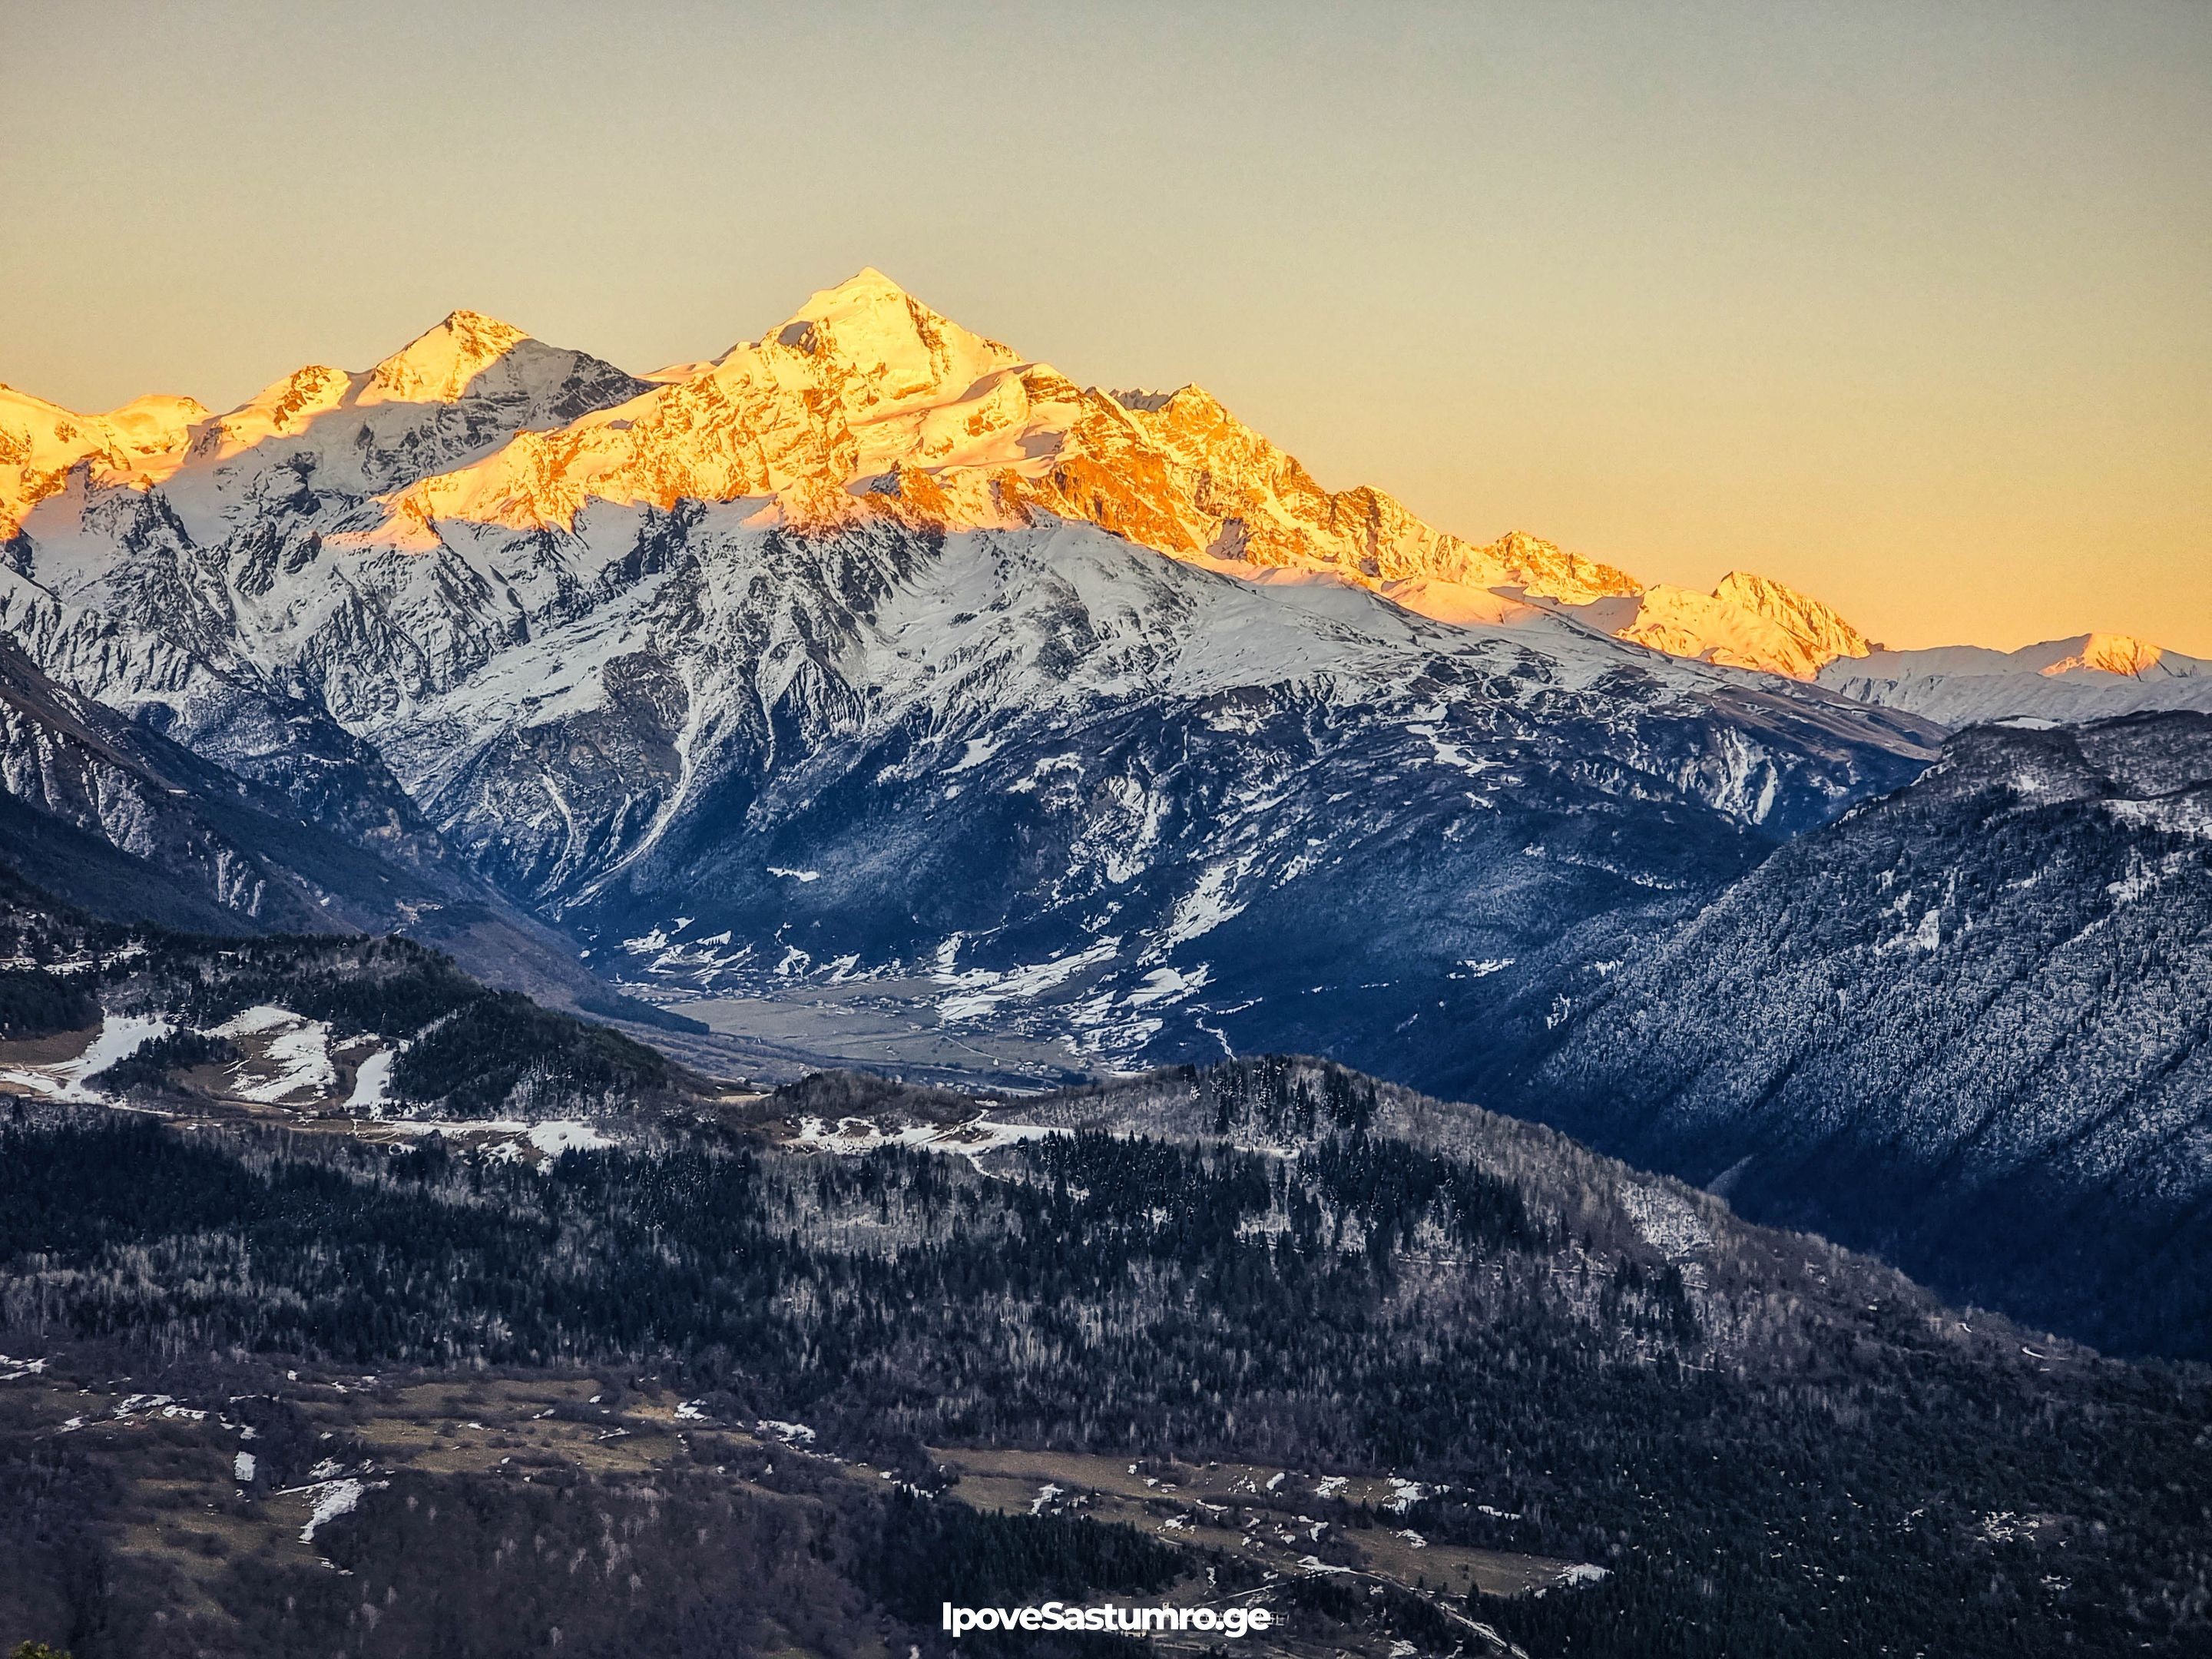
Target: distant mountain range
872,691
2090,676
866,394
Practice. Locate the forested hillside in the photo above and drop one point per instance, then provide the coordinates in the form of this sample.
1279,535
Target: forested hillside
1968,1026
291,1026
1769,1445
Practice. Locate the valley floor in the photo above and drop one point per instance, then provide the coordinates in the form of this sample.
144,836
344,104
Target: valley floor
246,1479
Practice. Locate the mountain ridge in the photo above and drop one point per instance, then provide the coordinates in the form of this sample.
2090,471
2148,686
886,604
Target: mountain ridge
997,436
1965,1025
874,653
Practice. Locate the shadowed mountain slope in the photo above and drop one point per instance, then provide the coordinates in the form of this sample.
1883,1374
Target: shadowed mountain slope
1968,1025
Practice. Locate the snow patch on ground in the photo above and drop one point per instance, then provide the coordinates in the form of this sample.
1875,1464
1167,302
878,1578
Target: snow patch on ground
979,749
562,1135
2144,876
979,991
972,1139
2186,815
1169,984
262,1016
300,1051
552,1138
1669,1222
338,1498
1207,905
144,1405
371,1082
1450,754
118,1038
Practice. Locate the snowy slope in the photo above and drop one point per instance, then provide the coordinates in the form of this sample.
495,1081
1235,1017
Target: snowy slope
1043,765
2089,676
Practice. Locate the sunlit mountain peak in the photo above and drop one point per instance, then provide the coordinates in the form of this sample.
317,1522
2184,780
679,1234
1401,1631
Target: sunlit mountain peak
866,401
2112,654
440,364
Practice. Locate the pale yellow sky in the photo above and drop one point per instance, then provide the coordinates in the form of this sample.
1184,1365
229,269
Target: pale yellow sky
1910,306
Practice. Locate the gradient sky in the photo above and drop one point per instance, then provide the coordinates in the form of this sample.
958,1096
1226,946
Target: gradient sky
1908,305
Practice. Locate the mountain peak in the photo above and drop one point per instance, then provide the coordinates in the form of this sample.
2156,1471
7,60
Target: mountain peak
1521,543
867,280
2111,654
1748,621
464,321
438,364
1819,627
884,346
156,421
866,293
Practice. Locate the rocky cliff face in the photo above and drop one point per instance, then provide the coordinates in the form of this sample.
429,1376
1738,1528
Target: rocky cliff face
79,767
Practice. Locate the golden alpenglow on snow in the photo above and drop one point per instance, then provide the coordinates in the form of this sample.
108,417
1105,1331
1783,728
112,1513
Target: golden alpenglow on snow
1409,858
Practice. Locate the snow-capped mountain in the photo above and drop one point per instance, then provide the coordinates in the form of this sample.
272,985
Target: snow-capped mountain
122,823
40,443
871,647
864,393
2089,676
1745,622
1965,1025
145,543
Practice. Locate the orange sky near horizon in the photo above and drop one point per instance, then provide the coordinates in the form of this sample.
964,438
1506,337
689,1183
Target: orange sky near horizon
1910,308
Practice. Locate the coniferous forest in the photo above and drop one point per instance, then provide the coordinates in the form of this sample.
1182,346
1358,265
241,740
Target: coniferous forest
1768,1445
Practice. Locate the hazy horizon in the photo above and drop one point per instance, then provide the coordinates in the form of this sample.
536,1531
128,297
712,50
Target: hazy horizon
1910,316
